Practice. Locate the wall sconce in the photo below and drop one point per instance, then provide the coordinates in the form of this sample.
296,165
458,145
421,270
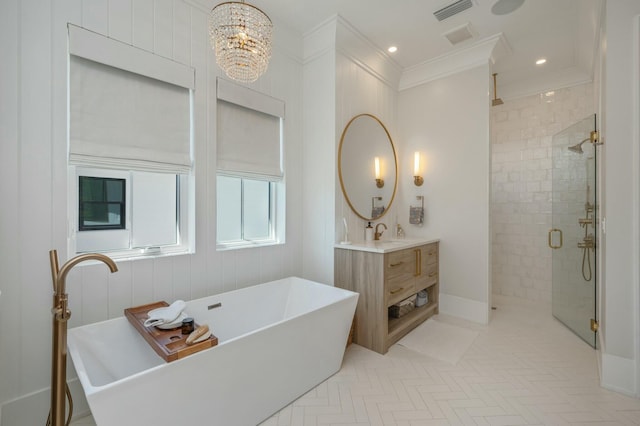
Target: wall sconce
417,179
379,180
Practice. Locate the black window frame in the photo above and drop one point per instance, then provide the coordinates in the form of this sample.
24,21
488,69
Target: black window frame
122,204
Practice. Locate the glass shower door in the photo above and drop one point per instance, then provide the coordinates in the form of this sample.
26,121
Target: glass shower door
573,233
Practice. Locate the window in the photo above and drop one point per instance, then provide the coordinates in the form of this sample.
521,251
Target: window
128,212
130,157
250,187
101,203
247,211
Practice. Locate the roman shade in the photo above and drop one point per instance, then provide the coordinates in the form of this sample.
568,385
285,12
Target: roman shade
249,132
129,108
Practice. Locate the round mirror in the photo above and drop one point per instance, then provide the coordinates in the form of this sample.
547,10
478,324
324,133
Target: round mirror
367,166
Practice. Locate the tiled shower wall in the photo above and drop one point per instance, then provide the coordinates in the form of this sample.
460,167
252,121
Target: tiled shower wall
521,133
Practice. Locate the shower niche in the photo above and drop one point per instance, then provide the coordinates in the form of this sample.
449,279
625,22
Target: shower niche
573,236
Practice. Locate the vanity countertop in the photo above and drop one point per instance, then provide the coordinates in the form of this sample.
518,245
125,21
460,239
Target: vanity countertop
386,246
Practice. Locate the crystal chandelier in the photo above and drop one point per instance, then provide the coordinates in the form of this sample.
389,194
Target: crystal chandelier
241,36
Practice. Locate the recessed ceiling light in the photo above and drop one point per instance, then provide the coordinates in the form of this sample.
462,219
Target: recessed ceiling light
541,61
392,49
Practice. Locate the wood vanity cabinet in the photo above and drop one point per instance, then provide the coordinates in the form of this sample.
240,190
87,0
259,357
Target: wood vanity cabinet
384,279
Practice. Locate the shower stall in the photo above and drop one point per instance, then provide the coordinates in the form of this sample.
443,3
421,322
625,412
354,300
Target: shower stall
573,233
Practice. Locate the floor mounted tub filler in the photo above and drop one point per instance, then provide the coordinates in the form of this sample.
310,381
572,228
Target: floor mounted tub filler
276,341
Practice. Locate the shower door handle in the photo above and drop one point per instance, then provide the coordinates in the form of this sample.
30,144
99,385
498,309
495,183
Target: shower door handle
551,231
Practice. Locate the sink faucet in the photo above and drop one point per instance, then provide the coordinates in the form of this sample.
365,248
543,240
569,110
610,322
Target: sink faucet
377,234
61,315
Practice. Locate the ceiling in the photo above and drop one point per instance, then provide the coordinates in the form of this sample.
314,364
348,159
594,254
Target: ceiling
562,31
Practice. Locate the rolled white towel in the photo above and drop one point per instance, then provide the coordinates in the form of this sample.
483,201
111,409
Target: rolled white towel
165,315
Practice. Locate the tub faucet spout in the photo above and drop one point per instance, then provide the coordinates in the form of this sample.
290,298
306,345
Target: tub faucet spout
61,315
377,234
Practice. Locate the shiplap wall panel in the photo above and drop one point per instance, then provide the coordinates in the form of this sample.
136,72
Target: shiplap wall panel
142,282
163,279
120,290
95,15
75,288
10,305
182,33
142,30
181,278
34,179
203,213
163,28
120,20
95,293
247,263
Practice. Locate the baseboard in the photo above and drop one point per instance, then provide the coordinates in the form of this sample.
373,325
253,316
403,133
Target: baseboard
33,408
618,374
468,309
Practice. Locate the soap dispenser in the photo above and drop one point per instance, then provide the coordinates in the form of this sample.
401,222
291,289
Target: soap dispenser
368,232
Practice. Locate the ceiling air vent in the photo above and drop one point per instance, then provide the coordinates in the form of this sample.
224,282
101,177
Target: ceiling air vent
459,34
452,9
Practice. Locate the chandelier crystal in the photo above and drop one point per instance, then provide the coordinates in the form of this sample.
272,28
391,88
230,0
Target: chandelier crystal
241,37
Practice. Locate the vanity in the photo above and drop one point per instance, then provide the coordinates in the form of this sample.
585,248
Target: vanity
386,273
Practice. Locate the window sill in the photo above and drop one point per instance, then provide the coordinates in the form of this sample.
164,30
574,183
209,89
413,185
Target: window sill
140,254
247,244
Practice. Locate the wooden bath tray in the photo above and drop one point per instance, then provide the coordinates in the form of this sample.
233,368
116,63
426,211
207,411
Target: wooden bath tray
169,344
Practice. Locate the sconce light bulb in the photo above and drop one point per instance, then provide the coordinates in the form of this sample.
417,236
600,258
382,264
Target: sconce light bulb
376,162
417,179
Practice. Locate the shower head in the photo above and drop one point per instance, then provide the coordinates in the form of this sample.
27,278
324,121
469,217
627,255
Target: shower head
577,148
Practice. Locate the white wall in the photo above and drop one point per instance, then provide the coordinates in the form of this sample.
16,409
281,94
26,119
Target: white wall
620,133
33,177
447,120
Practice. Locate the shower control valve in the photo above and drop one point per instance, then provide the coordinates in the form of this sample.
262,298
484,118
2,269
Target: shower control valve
585,221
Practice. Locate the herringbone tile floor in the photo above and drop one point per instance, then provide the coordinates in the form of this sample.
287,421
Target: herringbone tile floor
523,368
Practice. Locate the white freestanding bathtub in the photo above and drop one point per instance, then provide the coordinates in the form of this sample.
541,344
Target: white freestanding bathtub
276,341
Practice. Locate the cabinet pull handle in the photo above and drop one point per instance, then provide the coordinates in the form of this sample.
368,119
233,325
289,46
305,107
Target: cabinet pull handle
393,265
431,253
433,274
397,290
418,262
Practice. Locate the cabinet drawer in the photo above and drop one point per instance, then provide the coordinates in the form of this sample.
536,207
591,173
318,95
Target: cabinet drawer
428,277
400,264
430,254
397,290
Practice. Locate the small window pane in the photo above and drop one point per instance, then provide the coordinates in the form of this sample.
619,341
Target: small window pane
154,204
229,217
101,203
256,210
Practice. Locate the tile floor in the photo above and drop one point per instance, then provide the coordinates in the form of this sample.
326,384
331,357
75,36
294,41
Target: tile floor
524,368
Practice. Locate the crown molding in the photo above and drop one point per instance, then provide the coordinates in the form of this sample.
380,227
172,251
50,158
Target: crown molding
487,50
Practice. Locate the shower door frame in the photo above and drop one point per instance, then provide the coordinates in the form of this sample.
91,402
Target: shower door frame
574,254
